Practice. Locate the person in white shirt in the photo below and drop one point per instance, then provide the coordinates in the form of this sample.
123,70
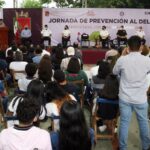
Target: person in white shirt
104,37
18,65
65,36
46,35
25,136
140,32
132,70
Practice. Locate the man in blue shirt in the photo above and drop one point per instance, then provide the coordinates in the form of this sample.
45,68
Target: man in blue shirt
26,36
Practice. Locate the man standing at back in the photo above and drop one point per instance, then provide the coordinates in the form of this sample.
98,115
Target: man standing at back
133,69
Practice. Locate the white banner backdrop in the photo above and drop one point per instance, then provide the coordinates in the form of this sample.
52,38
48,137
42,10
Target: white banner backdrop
86,20
1,13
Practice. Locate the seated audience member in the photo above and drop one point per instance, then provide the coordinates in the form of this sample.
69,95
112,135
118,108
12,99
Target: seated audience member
13,47
110,92
94,70
57,57
55,97
65,36
24,51
35,90
70,88
45,69
140,32
145,50
25,135
111,57
74,72
18,65
4,96
30,70
30,54
10,57
121,35
74,133
70,53
98,81
104,37
78,52
44,51
38,55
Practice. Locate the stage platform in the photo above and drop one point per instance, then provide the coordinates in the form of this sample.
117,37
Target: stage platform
92,55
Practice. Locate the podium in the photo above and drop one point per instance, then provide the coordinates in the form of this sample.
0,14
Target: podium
3,38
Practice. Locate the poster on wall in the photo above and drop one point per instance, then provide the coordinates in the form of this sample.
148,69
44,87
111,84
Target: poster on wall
21,20
86,20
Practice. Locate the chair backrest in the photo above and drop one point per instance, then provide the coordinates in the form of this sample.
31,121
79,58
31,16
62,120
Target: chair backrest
80,91
107,109
14,72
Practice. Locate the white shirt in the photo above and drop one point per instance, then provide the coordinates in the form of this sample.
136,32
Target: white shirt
93,71
14,104
18,66
141,34
31,139
45,52
104,34
23,84
133,69
6,52
66,33
46,33
26,33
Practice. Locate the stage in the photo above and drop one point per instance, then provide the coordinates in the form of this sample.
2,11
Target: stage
92,55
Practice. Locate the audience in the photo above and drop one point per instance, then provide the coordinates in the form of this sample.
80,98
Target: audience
55,97
73,133
74,72
35,90
70,88
38,55
30,70
18,65
45,69
25,135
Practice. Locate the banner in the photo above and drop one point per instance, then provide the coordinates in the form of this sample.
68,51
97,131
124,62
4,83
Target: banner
1,13
85,20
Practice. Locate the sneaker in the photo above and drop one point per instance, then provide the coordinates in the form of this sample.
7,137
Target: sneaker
116,129
102,128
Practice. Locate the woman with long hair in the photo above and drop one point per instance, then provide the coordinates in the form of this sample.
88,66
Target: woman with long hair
55,97
74,133
45,69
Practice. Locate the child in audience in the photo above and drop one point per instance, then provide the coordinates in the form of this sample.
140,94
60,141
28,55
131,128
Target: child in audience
35,90
73,133
25,135
30,70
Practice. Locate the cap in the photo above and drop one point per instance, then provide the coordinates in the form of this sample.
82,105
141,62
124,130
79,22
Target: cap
70,51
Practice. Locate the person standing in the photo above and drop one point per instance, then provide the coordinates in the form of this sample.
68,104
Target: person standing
46,35
26,36
65,36
133,69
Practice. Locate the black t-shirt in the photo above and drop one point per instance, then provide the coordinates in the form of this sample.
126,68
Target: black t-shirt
121,33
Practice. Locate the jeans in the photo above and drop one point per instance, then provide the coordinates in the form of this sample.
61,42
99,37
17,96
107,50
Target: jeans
141,111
